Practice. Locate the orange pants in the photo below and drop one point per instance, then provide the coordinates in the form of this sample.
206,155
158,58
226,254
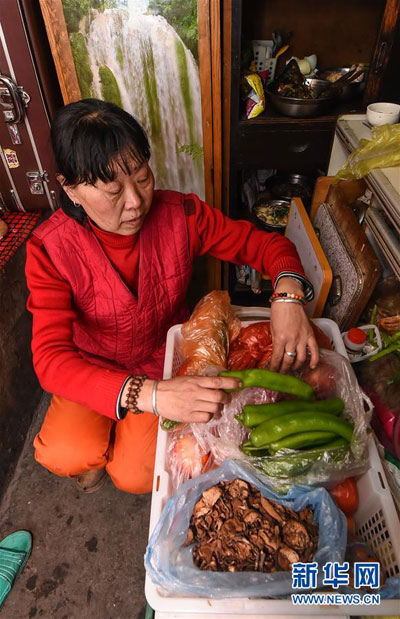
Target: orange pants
75,439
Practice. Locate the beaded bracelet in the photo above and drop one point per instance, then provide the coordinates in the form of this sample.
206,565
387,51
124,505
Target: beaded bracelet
135,385
288,295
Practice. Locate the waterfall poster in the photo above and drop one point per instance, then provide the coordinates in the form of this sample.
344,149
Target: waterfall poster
142,55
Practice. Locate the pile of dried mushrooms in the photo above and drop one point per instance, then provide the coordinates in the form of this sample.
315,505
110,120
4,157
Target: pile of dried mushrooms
236,529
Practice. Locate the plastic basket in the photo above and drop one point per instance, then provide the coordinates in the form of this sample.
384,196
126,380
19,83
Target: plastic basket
376,520
261,60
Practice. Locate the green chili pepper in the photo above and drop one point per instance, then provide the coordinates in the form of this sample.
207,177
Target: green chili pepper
385,351
302,439
169,424
371,332
274,429
255,452
290,465
254,414
273,381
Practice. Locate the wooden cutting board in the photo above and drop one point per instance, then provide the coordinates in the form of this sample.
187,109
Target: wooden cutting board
316,266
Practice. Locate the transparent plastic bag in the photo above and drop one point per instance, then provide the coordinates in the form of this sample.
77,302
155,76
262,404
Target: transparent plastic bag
185,456
381,151
222,435
207,334
171,566
318,465
206,337
333,377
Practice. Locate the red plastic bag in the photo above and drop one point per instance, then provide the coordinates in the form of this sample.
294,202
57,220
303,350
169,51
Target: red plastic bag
253,345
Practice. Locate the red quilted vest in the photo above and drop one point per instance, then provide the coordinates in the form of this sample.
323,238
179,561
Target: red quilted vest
116,328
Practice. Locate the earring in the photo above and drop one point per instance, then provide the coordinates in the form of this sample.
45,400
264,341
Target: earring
76,204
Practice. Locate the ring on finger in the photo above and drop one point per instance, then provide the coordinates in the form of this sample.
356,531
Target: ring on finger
290,354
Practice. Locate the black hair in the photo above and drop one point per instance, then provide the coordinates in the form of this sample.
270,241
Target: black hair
87,136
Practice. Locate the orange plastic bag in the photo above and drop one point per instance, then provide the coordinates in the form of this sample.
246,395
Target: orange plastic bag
207,335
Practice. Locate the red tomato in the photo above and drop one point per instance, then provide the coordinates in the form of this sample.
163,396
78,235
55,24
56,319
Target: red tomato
186,456
346,496
351,525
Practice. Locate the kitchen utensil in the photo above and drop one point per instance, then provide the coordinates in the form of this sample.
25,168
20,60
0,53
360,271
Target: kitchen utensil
350,90
262,51
383,113
312,59
277,39
290,185
301,108
355,267
337,87
316,267
281,51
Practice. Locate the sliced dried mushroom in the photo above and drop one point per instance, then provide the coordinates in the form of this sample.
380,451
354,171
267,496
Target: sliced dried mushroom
211,495
270,510
285,557
251,517
237,529
295,535
238,488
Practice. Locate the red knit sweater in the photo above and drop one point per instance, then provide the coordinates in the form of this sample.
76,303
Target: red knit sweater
60,368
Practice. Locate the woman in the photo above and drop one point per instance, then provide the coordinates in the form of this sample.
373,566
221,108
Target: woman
108,275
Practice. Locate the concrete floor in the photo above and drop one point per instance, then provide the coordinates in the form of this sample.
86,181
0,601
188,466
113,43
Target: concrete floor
87,555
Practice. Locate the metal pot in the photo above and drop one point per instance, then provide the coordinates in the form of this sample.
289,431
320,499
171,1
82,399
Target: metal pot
270,203
349,91
302,108
288,186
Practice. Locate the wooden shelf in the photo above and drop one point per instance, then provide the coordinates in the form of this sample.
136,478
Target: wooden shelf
273,118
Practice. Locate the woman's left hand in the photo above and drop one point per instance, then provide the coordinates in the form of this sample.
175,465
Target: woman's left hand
291,332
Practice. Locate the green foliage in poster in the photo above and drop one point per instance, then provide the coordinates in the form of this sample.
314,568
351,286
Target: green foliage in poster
182,16
82,65
109,86
195,151
120,56
185,85
74,10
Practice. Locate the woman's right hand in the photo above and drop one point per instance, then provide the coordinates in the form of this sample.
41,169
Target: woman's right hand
188,398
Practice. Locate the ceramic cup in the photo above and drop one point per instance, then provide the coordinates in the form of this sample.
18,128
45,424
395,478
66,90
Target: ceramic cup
383,113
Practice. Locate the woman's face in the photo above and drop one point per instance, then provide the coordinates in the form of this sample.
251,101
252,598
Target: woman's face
120,205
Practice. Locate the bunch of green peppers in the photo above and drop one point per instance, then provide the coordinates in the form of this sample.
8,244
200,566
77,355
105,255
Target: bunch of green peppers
308,426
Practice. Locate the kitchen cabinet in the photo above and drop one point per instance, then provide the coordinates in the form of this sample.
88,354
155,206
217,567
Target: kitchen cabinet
340,34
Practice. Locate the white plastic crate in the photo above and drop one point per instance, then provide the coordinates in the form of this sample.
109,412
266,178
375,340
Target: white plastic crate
376,520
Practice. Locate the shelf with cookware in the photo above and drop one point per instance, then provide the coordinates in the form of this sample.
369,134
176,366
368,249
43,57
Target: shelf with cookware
363,34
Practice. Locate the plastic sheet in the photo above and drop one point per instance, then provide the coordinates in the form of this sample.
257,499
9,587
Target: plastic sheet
381,151
252,348
207,334
185,456
171,566
333,377
319,466
255,101
222,435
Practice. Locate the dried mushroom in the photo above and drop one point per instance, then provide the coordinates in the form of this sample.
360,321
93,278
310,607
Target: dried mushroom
234,528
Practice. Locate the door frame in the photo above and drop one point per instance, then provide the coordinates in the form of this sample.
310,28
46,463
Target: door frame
210,68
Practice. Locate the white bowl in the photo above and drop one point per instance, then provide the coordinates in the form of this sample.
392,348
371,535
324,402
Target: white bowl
383,113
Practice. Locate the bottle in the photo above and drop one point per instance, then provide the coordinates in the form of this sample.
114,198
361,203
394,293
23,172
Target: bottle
355,340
